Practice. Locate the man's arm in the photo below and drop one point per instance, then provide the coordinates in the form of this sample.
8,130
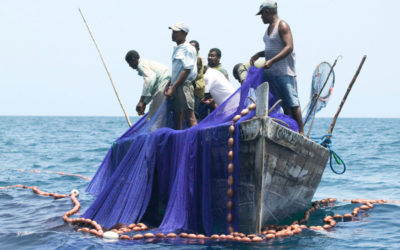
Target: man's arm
207,99
141,106
181,79
256,56
286,35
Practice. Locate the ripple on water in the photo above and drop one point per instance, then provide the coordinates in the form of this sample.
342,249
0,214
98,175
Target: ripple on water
4,196
102,149
73,159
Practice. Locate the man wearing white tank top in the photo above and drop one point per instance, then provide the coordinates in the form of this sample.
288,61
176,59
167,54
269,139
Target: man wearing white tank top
279,66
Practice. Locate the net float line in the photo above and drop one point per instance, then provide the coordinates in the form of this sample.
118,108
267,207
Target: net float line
91,226
97,230
269,232
231,167
51,172
37,191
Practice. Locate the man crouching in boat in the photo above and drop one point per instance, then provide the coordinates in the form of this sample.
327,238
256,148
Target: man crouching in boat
155,75
184,71
279,66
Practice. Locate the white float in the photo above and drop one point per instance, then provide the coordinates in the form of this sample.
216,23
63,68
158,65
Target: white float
110,235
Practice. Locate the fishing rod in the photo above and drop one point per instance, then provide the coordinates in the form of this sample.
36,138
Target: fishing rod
108,72
345,96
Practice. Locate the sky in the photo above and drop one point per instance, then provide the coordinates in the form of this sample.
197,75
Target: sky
50,67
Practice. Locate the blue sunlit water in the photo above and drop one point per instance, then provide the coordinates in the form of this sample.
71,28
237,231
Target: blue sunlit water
77,145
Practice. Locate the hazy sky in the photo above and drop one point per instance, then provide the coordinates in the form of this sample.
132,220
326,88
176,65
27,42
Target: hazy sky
50,66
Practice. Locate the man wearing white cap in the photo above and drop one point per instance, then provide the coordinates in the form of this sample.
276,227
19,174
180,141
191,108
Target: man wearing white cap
184,71
279,66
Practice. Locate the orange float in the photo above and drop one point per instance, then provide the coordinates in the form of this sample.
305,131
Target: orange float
125,237
269,236
257,239
171,235
160,235
148,235
138,237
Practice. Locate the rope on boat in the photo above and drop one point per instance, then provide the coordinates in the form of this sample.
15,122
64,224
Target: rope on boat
327,143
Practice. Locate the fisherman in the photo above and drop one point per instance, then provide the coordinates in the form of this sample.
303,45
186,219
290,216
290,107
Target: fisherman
214,57
217,87
198,83
155,75
279,66
240,70
184,72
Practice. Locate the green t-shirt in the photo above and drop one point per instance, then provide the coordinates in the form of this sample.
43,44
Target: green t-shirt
221,69
242,70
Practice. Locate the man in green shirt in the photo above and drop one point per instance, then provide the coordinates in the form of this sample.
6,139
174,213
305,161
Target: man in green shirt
155,76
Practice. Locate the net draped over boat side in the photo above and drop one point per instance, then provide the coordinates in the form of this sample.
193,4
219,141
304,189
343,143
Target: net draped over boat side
166,176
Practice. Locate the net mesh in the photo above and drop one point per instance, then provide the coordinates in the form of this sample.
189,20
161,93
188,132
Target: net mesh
320,76
162,176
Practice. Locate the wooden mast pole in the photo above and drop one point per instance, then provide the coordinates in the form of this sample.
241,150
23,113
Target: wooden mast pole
108,72
345,96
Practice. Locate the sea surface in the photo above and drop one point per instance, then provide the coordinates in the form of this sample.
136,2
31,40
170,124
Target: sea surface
30,146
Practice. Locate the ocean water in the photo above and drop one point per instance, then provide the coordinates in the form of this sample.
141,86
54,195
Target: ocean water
77,145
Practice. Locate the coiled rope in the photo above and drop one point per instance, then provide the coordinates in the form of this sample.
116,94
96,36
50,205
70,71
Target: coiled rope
327,143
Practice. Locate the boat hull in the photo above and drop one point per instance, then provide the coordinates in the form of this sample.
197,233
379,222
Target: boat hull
279,173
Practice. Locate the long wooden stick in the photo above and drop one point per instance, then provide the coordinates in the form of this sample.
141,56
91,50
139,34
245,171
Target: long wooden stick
108,72
345,96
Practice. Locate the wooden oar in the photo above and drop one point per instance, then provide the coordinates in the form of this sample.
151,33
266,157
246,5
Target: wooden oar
108,72
345,96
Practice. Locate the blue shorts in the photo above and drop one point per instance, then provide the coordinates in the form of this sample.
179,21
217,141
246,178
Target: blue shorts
285,88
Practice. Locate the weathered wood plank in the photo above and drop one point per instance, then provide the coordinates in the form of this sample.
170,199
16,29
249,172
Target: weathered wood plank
262,95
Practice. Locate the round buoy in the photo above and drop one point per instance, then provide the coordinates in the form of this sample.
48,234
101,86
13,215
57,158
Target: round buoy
257,239
148,235
236,118
110,235
171,235
252,106
75,192
138,236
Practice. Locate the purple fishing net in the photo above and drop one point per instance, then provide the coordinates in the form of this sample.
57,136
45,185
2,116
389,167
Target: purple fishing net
163,177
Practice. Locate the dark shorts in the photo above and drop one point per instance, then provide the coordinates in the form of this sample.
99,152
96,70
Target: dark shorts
183,98
285,88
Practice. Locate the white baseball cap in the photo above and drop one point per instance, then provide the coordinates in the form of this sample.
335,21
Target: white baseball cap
267,4
179,27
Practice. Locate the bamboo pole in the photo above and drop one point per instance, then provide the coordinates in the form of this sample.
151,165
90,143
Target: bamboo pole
346,94
108,72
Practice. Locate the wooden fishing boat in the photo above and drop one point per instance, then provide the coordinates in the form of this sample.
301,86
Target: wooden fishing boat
279,173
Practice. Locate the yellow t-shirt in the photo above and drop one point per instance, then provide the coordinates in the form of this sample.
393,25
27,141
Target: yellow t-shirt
199,83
